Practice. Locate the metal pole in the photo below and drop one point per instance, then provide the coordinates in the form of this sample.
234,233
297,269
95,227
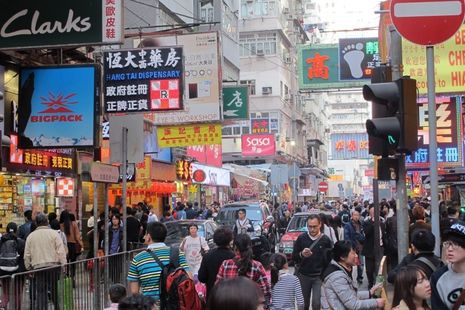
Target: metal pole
377,245
433,145
125,213
95,268
402,211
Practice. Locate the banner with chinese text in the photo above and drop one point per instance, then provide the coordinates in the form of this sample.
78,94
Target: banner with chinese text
349,146
186,135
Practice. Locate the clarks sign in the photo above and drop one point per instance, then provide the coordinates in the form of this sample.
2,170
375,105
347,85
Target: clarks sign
29,23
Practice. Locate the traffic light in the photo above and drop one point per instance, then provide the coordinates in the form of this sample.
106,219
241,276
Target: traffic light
395,116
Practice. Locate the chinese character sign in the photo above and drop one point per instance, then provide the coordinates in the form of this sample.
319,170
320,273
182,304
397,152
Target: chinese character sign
143,80
235,102
258,145
260,125
448,135
187,135
349,146
357,58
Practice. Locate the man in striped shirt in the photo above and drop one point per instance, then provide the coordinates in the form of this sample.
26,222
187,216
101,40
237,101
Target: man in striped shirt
144,272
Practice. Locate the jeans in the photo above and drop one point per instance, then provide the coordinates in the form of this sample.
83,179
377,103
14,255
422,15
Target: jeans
370,263
311,286
360,269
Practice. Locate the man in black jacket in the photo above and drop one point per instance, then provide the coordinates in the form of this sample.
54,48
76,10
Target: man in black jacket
312,254
212,261
369,246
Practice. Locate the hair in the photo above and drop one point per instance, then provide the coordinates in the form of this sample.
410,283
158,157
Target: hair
341,250
404,286
117,292
192,225
41,219
54,224
11,227
241,210
243,244
66,221
136,302
28,215
246,295
314,217
222,236
452,210
423,240
52,216
418,213
277,262
265,259
157,231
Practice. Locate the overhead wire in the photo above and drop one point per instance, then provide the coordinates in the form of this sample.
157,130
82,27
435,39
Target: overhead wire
158,8
136,15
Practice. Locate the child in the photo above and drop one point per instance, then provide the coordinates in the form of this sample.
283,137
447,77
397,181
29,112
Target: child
265,259
286,289
117,293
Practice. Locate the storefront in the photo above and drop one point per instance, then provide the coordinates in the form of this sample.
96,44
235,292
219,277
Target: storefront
213,183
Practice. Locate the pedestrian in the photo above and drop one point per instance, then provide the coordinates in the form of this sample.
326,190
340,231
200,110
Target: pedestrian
391,238
167,217
44,249
353,232
451,218
117,293
190,212
212,261
326,227
27,227
115,246
73,238
144,271
152,215
55,225
236,293
286,291
243,225
369,249
448,282
134,229
243,265
312,254
412,289
194,247
181,213
338,290
137,302
418,215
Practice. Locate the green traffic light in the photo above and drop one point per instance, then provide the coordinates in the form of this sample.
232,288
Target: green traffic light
391,140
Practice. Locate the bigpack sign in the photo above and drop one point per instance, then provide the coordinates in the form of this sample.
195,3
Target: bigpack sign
142,80
258,145
57,106
47,23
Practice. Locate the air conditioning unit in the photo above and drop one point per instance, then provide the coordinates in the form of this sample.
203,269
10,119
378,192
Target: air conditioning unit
285,10
260,52
267,90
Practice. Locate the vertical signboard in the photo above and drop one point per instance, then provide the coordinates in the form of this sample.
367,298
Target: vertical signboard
357,58
236,102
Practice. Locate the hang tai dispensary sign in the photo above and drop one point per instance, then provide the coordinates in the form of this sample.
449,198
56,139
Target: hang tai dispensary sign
45,23
142,80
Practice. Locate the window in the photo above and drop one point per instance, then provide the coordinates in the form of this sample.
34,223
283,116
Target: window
251,84
265,42
237,129
206,13
257,8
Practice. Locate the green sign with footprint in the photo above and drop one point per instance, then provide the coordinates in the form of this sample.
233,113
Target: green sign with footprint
357,58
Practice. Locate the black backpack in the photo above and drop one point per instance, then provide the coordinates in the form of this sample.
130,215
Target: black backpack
9,256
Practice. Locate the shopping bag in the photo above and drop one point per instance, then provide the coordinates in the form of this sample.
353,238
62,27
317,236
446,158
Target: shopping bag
65,293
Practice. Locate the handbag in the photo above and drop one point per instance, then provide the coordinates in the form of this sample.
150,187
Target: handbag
459,300
78,248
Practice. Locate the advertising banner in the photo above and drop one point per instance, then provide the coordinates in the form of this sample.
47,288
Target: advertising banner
211,155
210,175
236,102
143,169
202,84
47,23
142,80
260,125
449,135
357,58
57,106
449,64
349,146
186,135
258,145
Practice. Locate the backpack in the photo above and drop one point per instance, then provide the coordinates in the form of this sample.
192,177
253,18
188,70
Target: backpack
177,290
345,218
9,256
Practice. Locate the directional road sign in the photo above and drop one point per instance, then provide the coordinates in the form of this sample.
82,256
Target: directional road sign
427,22
236,102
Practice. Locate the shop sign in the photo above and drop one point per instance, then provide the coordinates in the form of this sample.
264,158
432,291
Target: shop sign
212,175
130,173
449,135
184,170
144,168
48,23
258,145
235,102
65,187
186,135
349,146
357,58
210,155
260,125
449,64
57,106
202,74
104,173
141,80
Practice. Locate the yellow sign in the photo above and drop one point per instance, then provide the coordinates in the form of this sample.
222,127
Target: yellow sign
336,177
187,135
143,169
449,63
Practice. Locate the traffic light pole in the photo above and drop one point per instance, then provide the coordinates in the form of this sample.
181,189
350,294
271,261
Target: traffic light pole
402,210
433,145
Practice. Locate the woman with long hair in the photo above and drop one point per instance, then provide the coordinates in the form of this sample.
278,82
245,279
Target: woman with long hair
73,237
236,293
286,292
244,265
411,289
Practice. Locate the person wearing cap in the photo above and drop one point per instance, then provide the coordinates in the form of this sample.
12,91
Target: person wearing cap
448,282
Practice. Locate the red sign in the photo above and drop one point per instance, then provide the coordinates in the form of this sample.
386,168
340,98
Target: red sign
323,187
164,94
369,172
199,176
207,154
260,125
258,145
427,22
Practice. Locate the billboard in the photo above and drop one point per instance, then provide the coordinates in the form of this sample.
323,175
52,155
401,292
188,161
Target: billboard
357,58
210,175
202,77
349,146
143,80
29,23
258,145
211,155
186,135
57,106
449,64
260,125
449,135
